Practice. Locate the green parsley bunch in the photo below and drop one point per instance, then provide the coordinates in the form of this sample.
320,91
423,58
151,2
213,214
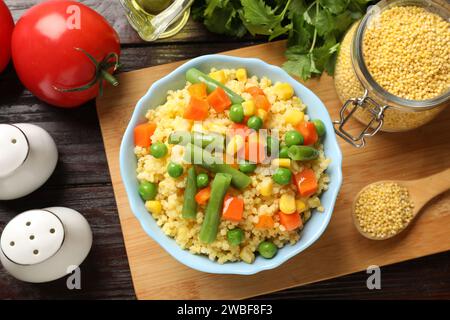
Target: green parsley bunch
314,28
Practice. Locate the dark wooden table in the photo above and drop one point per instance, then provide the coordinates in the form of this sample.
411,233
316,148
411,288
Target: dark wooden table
82,182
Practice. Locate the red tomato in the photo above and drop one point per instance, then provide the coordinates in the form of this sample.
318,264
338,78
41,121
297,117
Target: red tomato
6,30
51,49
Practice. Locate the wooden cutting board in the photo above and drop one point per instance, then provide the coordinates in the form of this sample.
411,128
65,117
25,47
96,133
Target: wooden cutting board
341,250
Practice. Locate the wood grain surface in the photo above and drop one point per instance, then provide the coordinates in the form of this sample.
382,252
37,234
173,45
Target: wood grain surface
82,181
341,250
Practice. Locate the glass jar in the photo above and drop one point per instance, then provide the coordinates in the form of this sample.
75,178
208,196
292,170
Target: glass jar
366,100
157,19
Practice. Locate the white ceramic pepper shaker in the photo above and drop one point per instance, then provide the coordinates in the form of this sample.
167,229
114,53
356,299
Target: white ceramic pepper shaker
45,245
28,157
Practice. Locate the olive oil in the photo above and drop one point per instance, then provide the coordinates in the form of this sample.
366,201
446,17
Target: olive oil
153,6
151,19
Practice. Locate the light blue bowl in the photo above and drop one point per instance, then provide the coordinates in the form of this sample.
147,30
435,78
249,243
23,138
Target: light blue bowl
156,96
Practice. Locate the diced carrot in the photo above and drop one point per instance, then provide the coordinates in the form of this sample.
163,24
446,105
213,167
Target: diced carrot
142,134
255,91
308,131
261,102
290,221
233,208
196,110
239,126
240,129
203,195
306,182
198,90
253,151
265,222
219,100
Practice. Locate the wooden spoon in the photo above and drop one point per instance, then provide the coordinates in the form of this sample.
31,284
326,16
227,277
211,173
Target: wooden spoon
420,192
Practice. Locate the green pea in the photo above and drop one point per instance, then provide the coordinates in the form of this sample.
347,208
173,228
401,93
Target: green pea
237,113
174,170
292,138
148,190
267,249
320,127
247,167
202,180
235,236
284,152
282,176
255,123
272,144
158,150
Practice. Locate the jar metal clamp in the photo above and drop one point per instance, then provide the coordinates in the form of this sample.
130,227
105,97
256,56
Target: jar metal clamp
375,99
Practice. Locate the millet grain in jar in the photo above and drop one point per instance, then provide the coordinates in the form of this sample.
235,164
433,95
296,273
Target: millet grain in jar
407,51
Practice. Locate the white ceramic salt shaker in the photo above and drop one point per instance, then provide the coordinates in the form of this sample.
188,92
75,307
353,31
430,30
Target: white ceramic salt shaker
45,245
28,157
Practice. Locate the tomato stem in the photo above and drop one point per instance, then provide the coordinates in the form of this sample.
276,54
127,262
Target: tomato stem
109,77
101,73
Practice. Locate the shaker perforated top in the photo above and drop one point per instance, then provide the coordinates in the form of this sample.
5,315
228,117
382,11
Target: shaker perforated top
14,149
32,237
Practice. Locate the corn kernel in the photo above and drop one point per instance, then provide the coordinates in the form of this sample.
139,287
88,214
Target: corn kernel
279,162
241,74
154,206
266,187
249,108
284,91
294,116
262,114
235,144
300,205
247,255
287,203
219,76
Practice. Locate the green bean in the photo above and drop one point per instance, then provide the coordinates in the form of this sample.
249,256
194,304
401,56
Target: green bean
196,155
273,145
284,150
302,153
189,210
202,157
210,225
195,76
239,180
183,138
